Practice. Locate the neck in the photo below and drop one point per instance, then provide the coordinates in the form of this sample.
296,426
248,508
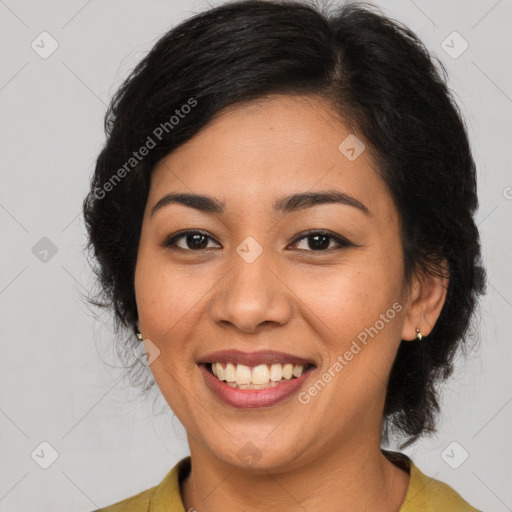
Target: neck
351,478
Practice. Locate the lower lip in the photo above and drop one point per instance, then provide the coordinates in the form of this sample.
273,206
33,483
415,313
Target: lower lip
253,398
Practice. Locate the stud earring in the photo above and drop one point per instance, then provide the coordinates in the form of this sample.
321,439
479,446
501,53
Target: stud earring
139,336
419,336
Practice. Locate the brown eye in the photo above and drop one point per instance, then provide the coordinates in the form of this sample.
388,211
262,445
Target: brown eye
192,241
320,240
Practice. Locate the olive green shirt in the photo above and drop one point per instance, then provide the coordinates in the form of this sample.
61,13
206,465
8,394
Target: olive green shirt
424,494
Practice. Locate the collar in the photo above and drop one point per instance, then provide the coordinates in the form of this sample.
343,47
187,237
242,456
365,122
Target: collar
167,495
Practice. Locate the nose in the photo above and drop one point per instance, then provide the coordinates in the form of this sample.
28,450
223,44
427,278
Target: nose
252,295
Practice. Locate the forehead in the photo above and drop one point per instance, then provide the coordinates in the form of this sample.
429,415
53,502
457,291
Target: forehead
271,147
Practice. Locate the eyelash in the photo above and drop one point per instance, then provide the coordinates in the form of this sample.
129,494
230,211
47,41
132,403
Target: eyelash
170,242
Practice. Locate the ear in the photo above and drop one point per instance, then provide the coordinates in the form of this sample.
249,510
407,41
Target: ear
426,297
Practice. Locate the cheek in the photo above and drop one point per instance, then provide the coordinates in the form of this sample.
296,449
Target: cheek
356,310
166,295
351,296
166,305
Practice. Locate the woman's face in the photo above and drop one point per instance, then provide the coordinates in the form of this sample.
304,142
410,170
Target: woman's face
262,279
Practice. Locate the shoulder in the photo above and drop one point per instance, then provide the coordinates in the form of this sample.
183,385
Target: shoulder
164,497
430,495
424,493
136,503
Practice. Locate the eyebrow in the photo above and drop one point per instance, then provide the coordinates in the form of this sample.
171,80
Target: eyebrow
286,204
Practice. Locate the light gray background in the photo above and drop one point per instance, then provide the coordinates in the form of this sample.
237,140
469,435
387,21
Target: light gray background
56,382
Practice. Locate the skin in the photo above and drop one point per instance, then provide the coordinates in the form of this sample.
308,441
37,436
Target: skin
323,455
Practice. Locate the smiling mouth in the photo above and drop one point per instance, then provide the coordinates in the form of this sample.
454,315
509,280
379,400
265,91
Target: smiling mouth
261,376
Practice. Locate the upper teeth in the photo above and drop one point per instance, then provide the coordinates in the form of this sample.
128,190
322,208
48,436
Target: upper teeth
261,374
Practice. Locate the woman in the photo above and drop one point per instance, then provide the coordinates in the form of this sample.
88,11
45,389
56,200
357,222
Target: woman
283,214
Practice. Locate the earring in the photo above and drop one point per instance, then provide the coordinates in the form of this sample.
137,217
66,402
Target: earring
139,336
419,336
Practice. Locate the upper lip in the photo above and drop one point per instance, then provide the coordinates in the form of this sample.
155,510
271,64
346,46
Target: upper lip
253,358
